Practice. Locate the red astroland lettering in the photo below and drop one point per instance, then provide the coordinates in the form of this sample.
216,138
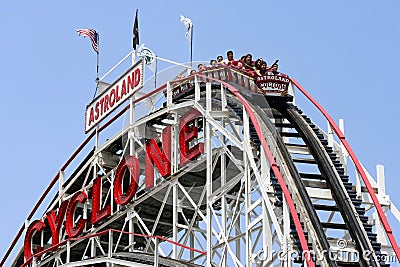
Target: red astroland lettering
123,91
133,79
96,108
112,97
91,117
130,81
117,97
137,76
106,103
101,104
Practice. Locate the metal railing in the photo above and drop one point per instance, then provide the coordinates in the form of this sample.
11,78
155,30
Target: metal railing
108,250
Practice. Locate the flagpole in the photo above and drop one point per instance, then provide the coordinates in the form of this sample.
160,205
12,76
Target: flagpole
134,55
97,64
135,40
98,57
191,47
155,76
97,86
94,38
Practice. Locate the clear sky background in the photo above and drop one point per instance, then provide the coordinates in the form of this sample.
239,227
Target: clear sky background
345,53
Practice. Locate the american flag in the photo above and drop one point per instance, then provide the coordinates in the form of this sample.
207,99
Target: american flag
92,34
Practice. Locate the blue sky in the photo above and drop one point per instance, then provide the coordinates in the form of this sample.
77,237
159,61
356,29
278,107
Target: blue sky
345,53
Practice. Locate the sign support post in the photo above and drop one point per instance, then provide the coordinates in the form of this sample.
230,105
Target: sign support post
132,115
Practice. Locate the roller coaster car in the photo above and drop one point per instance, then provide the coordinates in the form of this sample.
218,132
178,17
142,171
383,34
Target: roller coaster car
182,89
187,88
273,87
273,84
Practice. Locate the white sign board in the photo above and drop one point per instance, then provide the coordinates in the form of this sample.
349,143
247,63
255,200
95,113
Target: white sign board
112,97
273,84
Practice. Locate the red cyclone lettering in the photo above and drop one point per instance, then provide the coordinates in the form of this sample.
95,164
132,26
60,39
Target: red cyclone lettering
97,213
55,222
162,160
35,226
186,135
132,165
70,228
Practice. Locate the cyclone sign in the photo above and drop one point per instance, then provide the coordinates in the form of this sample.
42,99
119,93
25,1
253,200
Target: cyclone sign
68,221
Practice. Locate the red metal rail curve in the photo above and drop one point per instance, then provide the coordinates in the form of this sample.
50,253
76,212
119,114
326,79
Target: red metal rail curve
358,166
270,157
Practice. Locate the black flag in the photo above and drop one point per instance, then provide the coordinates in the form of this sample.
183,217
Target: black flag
135,40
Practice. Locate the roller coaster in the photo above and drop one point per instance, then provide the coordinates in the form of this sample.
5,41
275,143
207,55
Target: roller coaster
214,169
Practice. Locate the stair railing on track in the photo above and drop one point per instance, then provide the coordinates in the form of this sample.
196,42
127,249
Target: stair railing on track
358,166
